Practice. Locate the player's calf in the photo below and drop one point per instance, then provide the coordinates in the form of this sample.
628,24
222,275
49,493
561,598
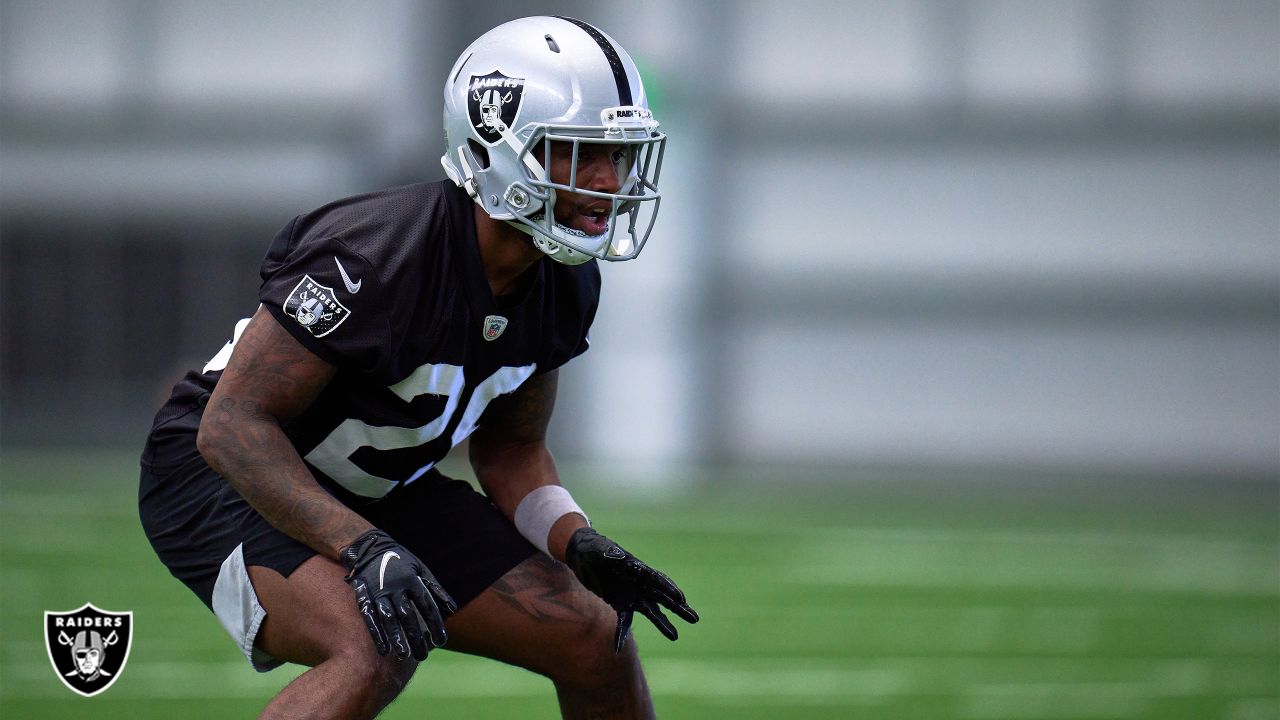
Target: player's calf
592,680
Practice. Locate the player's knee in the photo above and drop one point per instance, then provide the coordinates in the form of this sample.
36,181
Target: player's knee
377,679
589,659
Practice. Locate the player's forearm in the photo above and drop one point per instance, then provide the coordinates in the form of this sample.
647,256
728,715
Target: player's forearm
508,474
252,452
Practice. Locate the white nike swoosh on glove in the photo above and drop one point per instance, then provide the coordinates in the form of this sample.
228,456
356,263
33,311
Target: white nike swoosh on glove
386,558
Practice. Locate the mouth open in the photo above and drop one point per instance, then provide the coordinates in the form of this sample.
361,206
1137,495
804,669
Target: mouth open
593,220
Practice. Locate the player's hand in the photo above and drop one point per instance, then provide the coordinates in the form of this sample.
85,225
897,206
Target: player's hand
397,595
626,583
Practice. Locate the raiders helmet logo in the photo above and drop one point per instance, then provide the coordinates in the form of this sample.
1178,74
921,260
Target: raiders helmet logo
88,647
315,307
493,102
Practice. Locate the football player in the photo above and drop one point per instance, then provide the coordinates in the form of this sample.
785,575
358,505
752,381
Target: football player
291,481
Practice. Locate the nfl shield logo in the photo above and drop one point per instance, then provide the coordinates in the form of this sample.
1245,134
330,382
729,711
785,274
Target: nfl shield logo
88,647
493,326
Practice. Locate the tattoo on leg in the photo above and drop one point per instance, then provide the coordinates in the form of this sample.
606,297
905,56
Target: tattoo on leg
539,588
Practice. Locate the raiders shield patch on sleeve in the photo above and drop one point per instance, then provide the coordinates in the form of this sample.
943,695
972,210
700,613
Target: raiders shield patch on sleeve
315,307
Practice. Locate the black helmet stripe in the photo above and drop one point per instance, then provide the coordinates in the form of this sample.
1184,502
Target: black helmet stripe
610,54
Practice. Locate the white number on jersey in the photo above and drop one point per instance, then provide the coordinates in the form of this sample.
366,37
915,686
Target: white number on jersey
333,455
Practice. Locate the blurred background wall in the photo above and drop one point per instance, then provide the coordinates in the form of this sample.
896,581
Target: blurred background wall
910,234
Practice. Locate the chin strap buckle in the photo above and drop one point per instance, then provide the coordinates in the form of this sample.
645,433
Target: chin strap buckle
469,183
466,181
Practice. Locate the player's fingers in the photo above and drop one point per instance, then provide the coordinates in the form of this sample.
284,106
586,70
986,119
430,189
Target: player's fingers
624,625
388,619
371,622
683,610
430,612
409,621
659,620
375,631
660,588
365,606
443,598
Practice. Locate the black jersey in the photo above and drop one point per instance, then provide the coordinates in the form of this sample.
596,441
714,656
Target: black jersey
389,287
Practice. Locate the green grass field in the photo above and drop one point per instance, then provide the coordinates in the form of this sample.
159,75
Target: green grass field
1018,598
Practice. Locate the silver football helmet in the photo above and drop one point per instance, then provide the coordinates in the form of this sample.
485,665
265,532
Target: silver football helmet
540,80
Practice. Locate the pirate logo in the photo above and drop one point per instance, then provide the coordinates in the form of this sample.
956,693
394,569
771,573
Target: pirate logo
88,647
315,307
493,102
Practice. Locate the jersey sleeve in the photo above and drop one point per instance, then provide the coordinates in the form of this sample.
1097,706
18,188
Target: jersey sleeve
326,295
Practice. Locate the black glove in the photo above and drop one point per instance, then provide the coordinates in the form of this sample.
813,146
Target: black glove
624,582
393,591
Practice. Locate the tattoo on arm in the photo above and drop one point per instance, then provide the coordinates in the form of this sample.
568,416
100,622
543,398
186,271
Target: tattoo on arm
523,415
271,377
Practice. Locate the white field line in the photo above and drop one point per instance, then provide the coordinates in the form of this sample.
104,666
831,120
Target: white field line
927,557
1056,700
815,684
1075,538
41,505
1095,701
737,525
793,682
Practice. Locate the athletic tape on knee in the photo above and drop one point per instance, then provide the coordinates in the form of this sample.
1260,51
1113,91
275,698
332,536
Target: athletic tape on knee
540,509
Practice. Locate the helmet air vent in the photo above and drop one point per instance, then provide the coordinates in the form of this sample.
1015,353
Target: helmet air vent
551,43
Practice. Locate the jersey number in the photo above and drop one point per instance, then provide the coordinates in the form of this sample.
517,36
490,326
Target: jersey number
333,455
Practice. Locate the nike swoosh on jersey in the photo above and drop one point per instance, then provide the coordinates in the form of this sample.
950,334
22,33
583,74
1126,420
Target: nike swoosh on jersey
352,287
386,558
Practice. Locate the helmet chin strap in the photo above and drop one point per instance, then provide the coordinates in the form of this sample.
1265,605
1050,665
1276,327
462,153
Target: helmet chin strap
530,161
556,251
621,243
619,246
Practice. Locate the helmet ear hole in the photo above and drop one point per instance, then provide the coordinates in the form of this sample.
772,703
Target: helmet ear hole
480,153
